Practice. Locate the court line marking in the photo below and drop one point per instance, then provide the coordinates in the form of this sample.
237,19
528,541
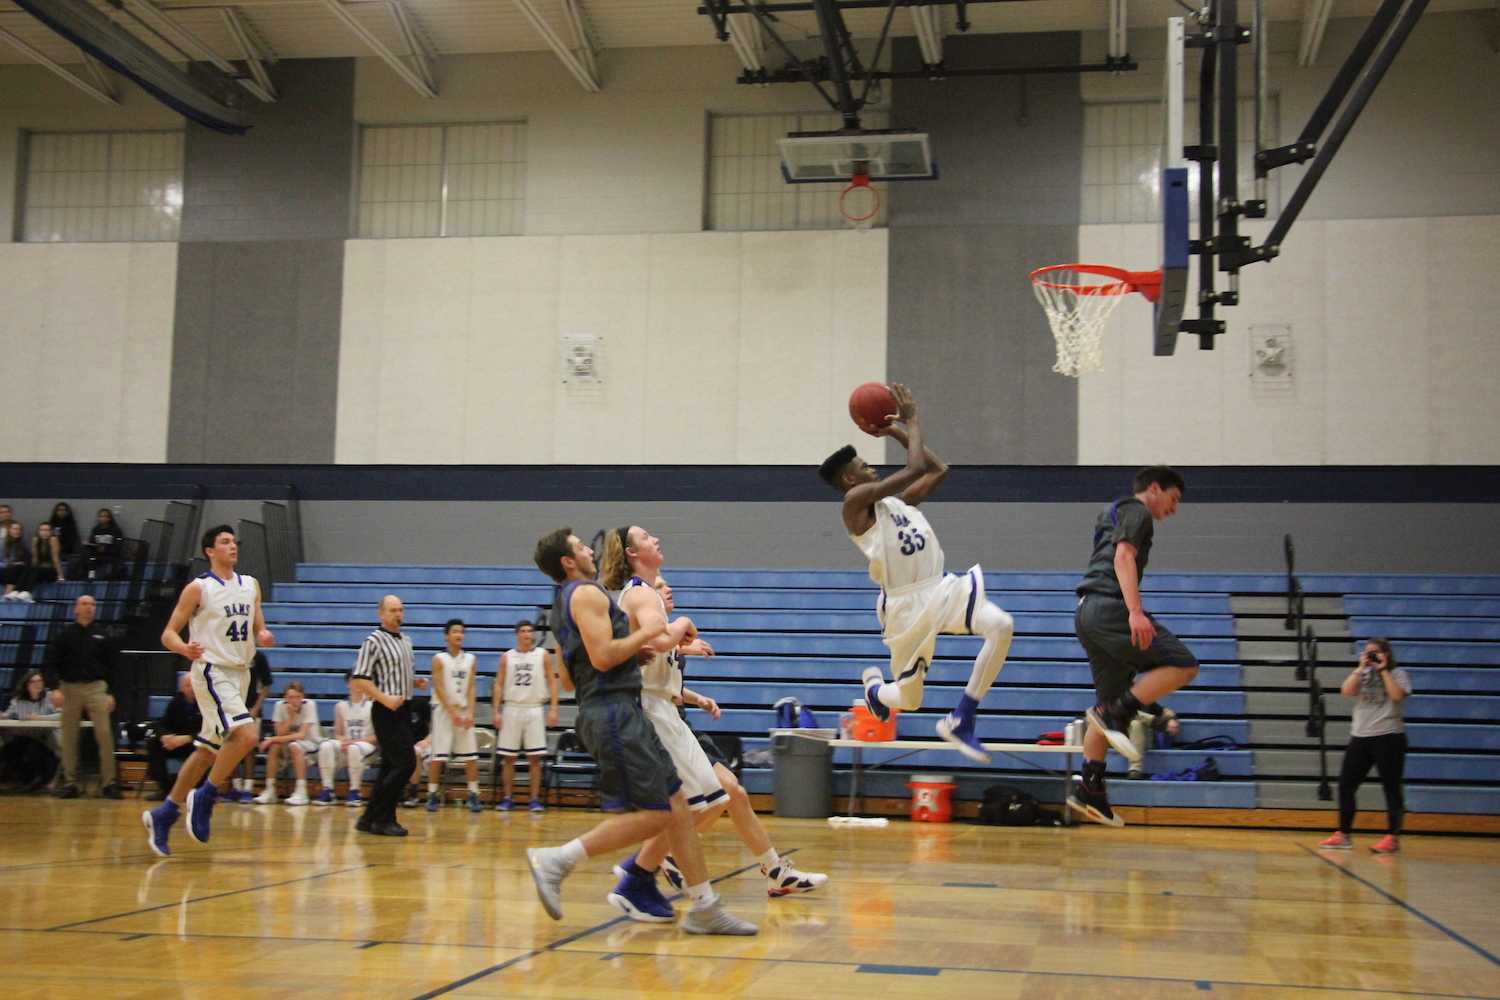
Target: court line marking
1453,934
208,936
201,899
196,858
1055,973
554,945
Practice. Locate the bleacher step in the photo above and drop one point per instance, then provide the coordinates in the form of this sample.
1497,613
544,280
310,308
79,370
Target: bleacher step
1263,604
1275,628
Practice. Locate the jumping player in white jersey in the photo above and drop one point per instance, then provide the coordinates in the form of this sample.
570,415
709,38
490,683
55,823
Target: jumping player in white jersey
453,737
918,601
221,611
526,680
632,564
354,737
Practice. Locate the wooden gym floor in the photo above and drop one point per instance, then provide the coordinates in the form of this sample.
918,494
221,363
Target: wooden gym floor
292,902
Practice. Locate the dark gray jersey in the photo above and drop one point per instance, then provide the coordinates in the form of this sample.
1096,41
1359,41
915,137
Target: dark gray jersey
1125,520
590,682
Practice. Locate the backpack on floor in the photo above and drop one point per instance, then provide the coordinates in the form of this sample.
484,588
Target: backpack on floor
1004,805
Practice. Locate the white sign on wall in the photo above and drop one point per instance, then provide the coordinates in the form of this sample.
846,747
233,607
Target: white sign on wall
582,356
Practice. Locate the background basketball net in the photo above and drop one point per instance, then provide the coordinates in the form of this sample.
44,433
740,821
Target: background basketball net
1078,300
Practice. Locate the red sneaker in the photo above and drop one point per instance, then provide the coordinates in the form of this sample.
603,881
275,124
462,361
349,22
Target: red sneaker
1386,845
1337,842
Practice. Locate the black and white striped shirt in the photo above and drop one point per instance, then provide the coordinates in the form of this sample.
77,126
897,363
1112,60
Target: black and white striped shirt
386,659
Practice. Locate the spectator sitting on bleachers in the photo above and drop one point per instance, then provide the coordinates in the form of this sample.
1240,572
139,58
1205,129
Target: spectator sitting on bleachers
296,728
1153,725
65,530
6,516
105,541
243,787
173,738
15,564
46,559
30,757
354,737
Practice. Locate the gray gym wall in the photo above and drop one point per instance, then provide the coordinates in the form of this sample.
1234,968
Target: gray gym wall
964,329
260,276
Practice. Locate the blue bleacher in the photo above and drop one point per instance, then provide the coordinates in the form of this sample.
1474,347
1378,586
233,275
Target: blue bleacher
809,633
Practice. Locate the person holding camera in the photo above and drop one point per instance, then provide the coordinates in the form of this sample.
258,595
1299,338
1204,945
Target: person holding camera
1377,737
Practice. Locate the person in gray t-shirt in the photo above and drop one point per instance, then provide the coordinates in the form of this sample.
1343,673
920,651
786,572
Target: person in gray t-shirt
1377,737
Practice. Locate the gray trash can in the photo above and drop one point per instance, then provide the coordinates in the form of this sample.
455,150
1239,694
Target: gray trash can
804,776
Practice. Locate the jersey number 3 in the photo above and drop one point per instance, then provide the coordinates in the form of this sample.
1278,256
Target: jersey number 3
911,541
239,631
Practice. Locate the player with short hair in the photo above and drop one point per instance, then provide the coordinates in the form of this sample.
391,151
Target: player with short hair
918,600
632,564
636,777
295,727
525,680
1135,660
453,738
354,737
222,613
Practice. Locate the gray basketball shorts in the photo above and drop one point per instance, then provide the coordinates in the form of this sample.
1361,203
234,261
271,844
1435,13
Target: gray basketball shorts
1103,627
635,770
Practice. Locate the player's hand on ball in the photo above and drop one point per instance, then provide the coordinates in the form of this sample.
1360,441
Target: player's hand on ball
1142,632
906,406
265,638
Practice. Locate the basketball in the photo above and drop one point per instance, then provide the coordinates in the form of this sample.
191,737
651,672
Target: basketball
871,405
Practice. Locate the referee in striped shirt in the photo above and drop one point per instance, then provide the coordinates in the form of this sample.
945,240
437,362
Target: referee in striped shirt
384,673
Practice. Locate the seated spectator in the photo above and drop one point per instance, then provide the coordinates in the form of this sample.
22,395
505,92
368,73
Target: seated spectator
65,530
15,564
295,722
30,758
105,542
6,516
243,786
173,738
1154,726
46,555
423,751
354,738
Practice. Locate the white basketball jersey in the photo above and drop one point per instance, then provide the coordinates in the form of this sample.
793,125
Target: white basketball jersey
456,673
224,623
356,719
663,675
901,546
525,677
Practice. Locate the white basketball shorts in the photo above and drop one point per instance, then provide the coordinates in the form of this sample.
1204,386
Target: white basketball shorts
523,730
699,781
450,742
220,691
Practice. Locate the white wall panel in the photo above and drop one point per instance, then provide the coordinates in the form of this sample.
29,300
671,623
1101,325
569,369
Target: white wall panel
718,348
1395,342
86,346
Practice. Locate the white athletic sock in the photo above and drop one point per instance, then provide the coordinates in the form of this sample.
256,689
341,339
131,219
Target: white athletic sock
889,694
998,628
301,786
432,788
239,785
702,895
770,859
574,853
473,788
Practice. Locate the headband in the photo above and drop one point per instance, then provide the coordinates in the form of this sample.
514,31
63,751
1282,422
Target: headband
624,535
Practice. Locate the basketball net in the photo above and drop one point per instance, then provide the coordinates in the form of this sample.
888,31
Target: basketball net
859,211
1078,300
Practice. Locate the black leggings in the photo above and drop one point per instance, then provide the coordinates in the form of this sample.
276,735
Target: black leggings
1388,754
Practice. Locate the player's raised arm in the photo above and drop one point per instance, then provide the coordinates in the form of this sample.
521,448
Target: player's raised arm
937,469
861,485
590,609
